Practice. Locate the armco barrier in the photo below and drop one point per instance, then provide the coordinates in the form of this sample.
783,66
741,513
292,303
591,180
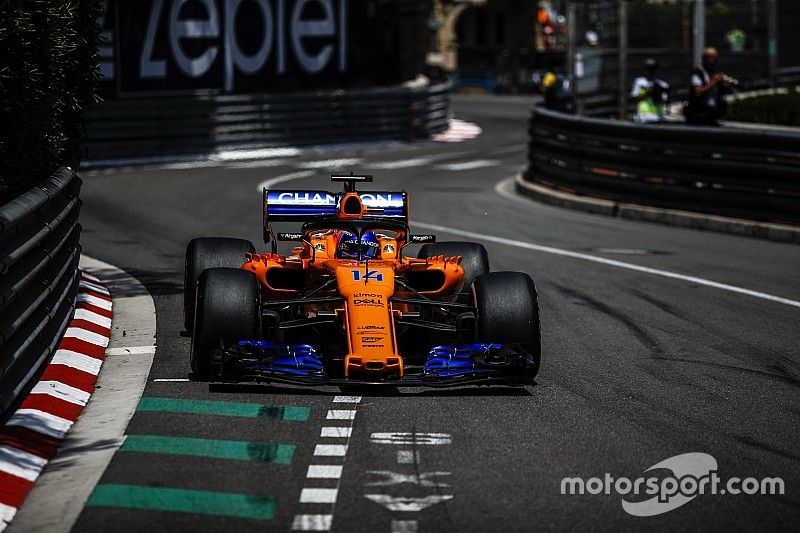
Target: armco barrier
161,126
748,174
39,253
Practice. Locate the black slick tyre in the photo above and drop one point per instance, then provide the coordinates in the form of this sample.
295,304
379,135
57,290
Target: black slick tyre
508,313
209,252
227,309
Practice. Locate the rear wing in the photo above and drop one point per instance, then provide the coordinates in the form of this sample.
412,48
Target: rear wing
305,205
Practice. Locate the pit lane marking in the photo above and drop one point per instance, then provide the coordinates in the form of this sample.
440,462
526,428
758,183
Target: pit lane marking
404,526
341,414
319,474
335,432
330,450
608,262
324,471
468,165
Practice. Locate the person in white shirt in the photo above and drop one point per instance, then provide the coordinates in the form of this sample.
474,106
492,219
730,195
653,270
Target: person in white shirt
651,95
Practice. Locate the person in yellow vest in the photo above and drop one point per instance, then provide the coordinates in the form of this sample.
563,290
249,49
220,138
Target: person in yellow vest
651,95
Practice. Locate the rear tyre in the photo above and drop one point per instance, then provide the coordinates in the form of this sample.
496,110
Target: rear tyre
209,252
227,309
508,313
475,261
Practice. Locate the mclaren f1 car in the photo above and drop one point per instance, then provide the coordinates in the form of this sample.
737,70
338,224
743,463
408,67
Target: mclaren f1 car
348,305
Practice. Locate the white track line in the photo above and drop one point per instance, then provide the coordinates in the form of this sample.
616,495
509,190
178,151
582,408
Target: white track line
312,522
20,463
40,422
78,361
324,471
318,495
268,184
609,262
62,391
341,414
330,474
330,450
587,257
336,432
347,399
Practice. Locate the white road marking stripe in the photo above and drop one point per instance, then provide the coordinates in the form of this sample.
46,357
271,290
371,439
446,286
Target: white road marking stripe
87,336
259,163
312,522
62,391
94,287
318,495
40,422
324,471
347,399
268,184
6,514
171,380
410,438
131,350
405,504
469,165
609,262
90,277
330,450
78,361
622,251
337,414
404,526
20,463
261,153
91,316
330,164
403,163
94,300
406,457
336,432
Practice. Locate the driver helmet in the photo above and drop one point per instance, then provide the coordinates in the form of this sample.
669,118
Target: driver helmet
348,246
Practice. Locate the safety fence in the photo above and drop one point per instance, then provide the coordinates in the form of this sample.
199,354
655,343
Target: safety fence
743,173
163,126
39,253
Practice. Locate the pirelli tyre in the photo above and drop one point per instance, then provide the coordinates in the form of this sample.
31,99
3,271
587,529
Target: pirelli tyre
475,260
227,309
209,252
508,313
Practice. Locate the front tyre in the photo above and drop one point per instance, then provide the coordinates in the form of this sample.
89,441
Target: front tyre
227,309
508,313
209,252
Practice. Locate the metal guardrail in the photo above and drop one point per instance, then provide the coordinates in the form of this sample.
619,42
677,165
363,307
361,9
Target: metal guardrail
161,126
748,174
39,253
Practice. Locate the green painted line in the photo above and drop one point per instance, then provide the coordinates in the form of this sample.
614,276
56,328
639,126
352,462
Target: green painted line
222,449
210,407
183,501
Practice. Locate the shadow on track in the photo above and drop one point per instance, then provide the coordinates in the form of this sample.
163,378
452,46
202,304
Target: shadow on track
370,391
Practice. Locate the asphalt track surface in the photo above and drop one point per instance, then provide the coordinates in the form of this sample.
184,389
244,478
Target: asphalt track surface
636,368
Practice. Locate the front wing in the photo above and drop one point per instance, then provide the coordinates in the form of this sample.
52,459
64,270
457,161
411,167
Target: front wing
444,366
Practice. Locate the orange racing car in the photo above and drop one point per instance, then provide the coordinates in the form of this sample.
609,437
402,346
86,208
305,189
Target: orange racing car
346,305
